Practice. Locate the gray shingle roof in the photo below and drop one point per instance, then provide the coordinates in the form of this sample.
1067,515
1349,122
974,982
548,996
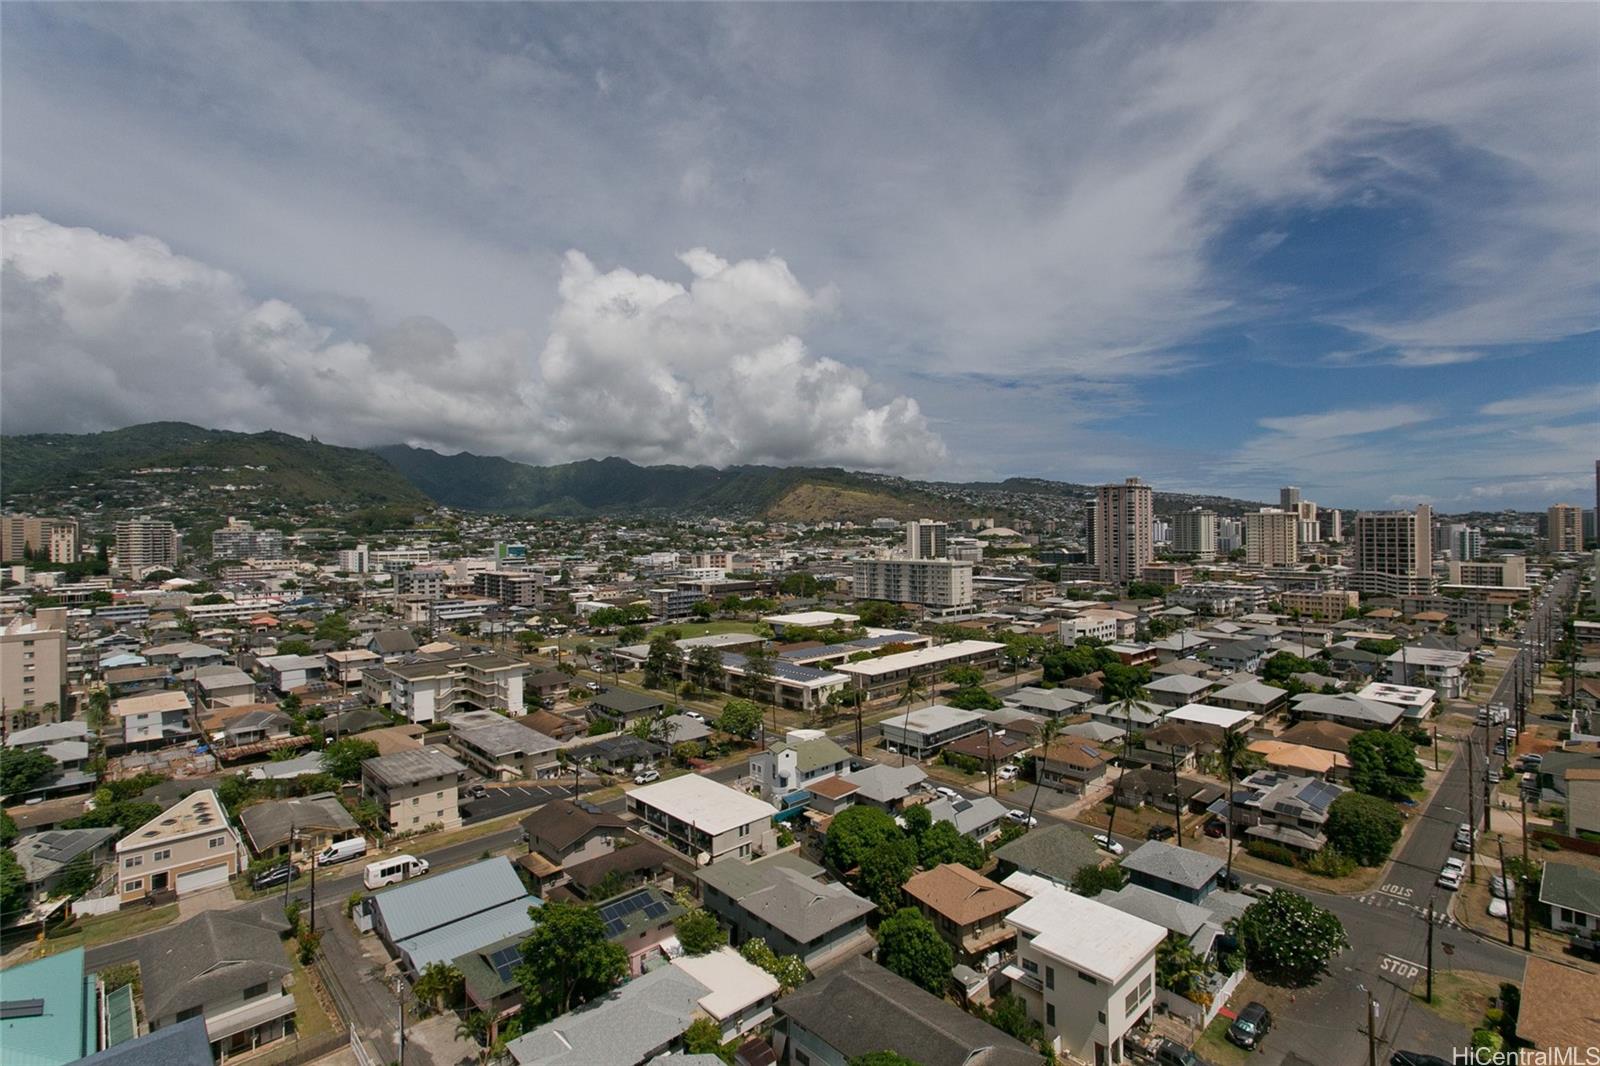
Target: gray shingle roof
183,1044
1172,863
209,959
628,1026
1054,851
267,824
789,899
42,854
859,1007
1573,887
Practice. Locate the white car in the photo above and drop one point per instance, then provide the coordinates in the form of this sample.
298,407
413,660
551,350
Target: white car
948,793
1450,878
1108,844
1256,889
1007,773
696,715
1499,887
1021,818
644,777
1497,907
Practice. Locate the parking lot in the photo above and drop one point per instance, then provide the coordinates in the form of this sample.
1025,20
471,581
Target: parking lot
508,799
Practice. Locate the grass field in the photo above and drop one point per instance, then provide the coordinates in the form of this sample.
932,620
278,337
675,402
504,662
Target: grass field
704,629
104,928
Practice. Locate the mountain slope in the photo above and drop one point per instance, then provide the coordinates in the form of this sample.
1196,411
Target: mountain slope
289,468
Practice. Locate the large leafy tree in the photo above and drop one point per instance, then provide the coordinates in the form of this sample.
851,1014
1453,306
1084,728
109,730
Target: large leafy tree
885,870
13,885
661,660
1363,827
910,946
1287,939
23,768
703,1037
855,832
566,961
705,666
343,758
438,985
944,843
1092,880
741,718
788,970
1384,764
699,931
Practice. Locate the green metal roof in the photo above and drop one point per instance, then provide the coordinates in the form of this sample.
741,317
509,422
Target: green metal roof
51,1011
121,1024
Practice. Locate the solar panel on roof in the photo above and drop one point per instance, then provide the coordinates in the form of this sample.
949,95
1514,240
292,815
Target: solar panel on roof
505,960
616,913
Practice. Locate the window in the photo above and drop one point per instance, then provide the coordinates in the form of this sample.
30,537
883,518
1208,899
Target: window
133,886
1087,977
415,800
1050,1014
1030,966
1146,987
189,1012
1101,1016
1049,976
1130,1002
256,990
131,861
801,1057
216,842
744,830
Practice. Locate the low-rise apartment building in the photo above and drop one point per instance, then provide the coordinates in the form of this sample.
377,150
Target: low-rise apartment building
501,749
414,789
922,732
1325,605
705,820
886,675
432,689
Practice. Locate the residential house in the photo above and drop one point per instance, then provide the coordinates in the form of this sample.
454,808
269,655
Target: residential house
642,921
1071,764
993,746
624,706
793,764
1583,800
1441,669
1257,697
296,828
286,673
347,667
704,819
1175,690
922,732
1324,735
978,818
1283,809
182,1044
185,655
1048,702
567,834
1176,744
1055,852
414,789
1085,971
501,749
783,900
1416,704
967,908
548,684
1560,1009
1572,895
187,847
1153,787
51,1015
1172,871
647,1017
1302,759
46,858
446,915
1236,656
859,1008
224,686
230,968
1137,716
885,787
392,645
636,864
1223,719
153,719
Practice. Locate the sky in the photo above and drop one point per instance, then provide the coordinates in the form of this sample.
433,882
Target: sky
1352,247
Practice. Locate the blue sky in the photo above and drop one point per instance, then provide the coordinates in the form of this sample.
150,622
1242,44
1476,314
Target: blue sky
1350,247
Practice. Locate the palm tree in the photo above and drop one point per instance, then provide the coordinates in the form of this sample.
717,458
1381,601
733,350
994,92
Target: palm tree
913,691
1230,749
437,982
1047,735
1127,705
475,1027
583,651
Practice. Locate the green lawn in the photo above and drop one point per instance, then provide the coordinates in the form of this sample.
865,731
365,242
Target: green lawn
704,629
1213,1045
104,928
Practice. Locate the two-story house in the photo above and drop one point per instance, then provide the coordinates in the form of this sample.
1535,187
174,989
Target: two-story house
703,819
968,909
1173,871
792,765
783,900
187,847
155,718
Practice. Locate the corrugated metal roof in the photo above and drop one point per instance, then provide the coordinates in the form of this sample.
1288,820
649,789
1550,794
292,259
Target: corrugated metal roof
468,934
120,1022
417,906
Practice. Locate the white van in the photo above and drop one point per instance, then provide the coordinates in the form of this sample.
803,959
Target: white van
342,851
392,870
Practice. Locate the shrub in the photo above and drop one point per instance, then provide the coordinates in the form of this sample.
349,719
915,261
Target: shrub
1330,863
1266,849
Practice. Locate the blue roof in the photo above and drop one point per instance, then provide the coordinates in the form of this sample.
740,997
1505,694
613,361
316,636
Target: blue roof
415,907
50,1013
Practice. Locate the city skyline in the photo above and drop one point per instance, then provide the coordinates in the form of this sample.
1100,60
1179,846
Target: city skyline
972,243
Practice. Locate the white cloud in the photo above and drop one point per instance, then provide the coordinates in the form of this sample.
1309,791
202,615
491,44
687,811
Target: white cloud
102,331
1546,404
1354,422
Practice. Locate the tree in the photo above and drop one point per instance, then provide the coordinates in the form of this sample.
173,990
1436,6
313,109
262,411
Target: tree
703,1037
294,646
885,871
758,677
1092,880
1363,827
855,832
1287,939
336,628
8,830
705,666
964,676
788,970
79,876
343,758
1179,967
1009,1014
24,768
975,698
699,931
566,961
1128,704
98,709
1048,731
910,946
943,843
662,658
438,985
740,718
1230,749
1384,764
13,885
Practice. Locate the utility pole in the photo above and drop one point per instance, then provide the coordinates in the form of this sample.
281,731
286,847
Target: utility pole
1472,818
290,881
1523,796
400,998
1505,880
1430,949
1177,802
1436,748
313,893
1372,1029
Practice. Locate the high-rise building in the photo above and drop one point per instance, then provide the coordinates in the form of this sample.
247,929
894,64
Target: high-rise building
1289,498
1272,537
937,583
927,539
1091,511
33,669
1230,535
1394,552
241,540
1194,532
1124,515
26,536
357,560
1307,510
1463,542
145,544
1564,528
1333,525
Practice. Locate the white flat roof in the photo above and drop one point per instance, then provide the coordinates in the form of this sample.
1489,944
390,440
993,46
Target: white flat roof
1205,714
735,984
931,719
703,803
1086,933
917,657
816,619
152,703
1397,695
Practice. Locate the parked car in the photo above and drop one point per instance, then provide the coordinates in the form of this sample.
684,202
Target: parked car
1500,887
477,791
275,875
1171,1053
1159,832
1229,881
1450,876
1497,907
647,775
1250,1027
1021,818
1215,829
342,851
1105,841
948,793
1007,773
696,715
1256,889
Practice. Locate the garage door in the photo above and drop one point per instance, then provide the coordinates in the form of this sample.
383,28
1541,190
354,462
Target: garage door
198,879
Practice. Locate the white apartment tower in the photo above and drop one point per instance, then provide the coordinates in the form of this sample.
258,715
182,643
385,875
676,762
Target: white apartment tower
1272,538
1564,528
145,544
927,539
1194,532
1124,516
937,583
1394,552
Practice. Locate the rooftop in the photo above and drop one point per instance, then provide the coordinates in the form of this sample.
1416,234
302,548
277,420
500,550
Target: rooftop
410,767
960,894
921,657
1192,869
932,719
703,803
199,812
418,906
151,703
1086,933
49,1011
